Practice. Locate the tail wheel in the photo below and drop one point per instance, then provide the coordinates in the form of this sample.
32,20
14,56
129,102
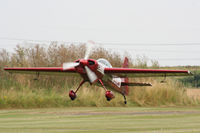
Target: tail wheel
72,94
109,95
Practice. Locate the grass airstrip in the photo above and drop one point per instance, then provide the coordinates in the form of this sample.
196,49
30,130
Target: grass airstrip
101,119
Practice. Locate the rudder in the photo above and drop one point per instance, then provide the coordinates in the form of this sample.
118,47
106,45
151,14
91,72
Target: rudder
125,89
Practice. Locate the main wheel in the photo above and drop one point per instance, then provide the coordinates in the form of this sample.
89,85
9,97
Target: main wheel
72,94
109,95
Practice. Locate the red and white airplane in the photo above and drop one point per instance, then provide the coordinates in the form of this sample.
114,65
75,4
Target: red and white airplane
100,72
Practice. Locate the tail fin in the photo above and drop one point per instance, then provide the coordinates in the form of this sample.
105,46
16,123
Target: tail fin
125,89
125,65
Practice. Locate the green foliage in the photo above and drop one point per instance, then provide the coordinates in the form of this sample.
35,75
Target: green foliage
192,81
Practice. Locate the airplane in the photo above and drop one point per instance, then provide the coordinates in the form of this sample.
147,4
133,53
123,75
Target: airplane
100,72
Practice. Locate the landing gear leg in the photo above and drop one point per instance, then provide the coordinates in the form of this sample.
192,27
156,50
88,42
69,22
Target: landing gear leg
109,95
125,102
72,94
102,85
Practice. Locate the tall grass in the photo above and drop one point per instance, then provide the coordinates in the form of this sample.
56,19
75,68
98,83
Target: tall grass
168,94
160,95
21,91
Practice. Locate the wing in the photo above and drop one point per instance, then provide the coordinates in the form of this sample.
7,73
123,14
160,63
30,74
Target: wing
43,70
129,72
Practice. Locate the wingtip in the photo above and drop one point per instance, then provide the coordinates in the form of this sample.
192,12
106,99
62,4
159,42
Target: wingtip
190,73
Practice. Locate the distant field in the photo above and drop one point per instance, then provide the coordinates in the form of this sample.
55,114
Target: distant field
106,119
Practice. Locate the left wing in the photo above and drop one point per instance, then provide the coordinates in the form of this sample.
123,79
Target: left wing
129,72
43,70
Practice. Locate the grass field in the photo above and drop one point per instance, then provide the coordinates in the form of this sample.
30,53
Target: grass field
105,119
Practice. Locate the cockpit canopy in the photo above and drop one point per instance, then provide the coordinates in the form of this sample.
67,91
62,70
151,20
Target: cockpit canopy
104,62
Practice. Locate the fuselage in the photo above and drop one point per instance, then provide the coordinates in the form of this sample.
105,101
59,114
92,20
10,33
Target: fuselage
98,66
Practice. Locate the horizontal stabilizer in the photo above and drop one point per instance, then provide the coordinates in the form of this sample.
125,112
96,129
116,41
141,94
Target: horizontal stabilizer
135,84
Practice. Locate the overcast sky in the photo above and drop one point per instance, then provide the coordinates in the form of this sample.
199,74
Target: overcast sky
127,22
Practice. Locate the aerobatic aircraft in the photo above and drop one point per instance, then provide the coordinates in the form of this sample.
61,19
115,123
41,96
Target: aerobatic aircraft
100,72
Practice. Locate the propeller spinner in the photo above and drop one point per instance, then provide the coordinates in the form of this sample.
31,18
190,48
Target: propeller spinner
90,74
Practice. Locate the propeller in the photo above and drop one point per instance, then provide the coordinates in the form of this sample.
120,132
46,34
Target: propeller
91,75
88,49
69,65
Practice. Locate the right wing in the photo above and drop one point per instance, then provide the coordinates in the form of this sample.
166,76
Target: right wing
131,72
43,71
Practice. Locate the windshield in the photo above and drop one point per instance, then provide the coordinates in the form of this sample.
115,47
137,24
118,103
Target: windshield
104,62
